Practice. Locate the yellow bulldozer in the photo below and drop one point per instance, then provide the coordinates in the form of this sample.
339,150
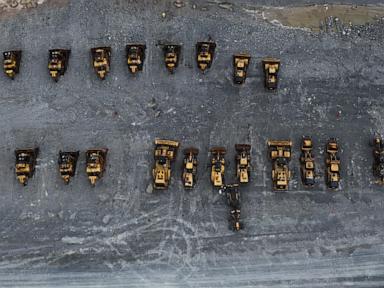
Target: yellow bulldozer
67,165
205,52
11,63
271,68
58,62
190,167
101,59
243,159
333,164
217,166
25,164
307,162
240,67
135,57
95,164
165,154
280,154
171,56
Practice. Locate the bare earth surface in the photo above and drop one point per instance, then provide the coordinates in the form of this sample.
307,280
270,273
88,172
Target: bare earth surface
332,85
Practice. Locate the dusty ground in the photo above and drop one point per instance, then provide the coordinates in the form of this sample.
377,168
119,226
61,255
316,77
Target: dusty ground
331,85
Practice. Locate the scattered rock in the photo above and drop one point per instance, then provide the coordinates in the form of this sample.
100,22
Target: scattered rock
106,219
149,188
72,240
179,3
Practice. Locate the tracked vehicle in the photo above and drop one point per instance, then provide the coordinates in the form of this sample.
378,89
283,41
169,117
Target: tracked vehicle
233,200
11,63
67,165
333,164
135,57
205,52
307,162
271,68
95,164
171,56
280,154
378,158
165,154
58,62
101,60
240,67
25,164
217,166
190,167
243,159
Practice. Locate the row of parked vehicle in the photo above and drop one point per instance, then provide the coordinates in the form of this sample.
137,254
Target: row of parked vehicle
101,61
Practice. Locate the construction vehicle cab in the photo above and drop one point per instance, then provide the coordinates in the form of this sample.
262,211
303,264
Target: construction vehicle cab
271,68
217,166
280,154
135,57
307,162
101,59
171,56
378,158
243,159
333,164
58,62
233,201
67,165
165,154
11,63
95,164
205,52
190,167
240,67
25,164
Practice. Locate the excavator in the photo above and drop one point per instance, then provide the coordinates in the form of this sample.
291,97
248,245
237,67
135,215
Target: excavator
171,56
333,164
190,167
307,162
243,159
271,68
58,62
378,158
11,63
205,52
217,166
165,154
101,59
233,200
25,164
280,154
95,164
67,165
240,67
135,57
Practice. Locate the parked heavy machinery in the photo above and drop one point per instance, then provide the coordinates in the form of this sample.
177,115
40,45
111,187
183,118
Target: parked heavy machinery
240,67
67,165
243,159
271,68
101,59
172,56
11,63
165,154
378,158
217,166
135,57
333,164
307,162
205,52
58,62
95,164
190,167
25,164
233,200
280,154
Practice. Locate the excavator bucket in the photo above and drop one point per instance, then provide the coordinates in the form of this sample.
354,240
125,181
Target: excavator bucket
67,165
280,149
25,164
165,154
95,164
307,162
333,164
205,52
280,154
58,62
101,59
11,63
135,57
172,56
240,67
217,166
243,159
190,167
271,68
